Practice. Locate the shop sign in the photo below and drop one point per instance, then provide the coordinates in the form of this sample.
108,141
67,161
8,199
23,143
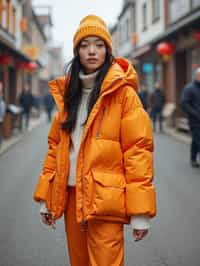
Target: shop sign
147,67
31,51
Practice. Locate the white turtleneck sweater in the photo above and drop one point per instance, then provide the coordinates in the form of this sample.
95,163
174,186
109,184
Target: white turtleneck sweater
137,221
87,85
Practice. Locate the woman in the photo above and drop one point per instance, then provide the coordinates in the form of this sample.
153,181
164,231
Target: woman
100,152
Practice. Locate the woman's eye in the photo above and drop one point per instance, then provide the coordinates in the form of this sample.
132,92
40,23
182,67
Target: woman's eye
83,45
100,45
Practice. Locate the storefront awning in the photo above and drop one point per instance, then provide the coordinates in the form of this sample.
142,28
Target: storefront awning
14,51
18,54
140,51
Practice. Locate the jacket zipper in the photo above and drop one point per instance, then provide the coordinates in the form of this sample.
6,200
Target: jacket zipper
100,123
83,224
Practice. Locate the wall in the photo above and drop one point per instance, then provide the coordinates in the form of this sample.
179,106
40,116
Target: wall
154,29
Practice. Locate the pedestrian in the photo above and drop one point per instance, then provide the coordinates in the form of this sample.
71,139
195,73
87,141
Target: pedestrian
190,100
98,170
26,102
144,96
2,112
49,105
157,101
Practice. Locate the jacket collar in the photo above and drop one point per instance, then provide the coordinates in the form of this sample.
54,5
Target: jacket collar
120,73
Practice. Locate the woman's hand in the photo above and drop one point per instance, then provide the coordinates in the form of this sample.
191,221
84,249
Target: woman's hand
48,220
139,234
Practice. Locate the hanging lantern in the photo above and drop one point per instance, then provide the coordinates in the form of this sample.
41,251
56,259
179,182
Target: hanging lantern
165,48
23,24
31,66
197,36
6,60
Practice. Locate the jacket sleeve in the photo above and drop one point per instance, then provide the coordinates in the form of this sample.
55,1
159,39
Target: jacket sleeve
137,147
49,165
186,101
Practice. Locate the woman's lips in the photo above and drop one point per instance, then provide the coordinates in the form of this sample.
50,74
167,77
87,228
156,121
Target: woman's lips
92,60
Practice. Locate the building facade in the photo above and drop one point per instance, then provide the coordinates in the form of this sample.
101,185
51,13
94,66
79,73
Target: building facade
182,30
126,28
171,23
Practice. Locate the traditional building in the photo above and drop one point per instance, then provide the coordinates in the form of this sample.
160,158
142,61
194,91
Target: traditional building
182,19
126,28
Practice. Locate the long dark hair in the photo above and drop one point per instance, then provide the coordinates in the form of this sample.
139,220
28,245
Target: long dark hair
73,90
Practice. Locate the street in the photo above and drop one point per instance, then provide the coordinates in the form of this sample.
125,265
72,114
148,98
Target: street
174,237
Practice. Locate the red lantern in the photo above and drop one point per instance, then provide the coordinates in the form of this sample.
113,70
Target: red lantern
197,36
165,48
6,60
31,66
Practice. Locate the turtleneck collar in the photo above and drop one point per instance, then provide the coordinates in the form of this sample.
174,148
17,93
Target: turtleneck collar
88,80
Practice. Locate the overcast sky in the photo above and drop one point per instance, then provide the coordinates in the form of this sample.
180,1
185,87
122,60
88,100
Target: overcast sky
66,16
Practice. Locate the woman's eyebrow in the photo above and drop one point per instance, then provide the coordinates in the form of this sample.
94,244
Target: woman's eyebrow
95,40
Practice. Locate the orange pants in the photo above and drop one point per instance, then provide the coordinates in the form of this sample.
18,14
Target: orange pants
100,244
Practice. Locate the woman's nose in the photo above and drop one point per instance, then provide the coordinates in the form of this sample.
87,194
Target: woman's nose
91,49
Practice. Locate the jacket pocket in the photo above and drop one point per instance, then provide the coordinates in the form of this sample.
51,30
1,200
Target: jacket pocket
108,194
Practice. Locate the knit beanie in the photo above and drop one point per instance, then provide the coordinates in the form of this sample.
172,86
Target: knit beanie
92,25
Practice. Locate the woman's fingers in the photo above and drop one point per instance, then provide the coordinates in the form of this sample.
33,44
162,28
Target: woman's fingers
47,219
139,234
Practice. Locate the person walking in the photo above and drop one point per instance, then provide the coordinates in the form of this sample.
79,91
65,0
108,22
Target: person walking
2,112
26,102
144,96
157,101
49,105
190,101
98,170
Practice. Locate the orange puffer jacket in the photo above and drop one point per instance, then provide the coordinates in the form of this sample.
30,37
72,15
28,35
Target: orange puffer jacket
115,161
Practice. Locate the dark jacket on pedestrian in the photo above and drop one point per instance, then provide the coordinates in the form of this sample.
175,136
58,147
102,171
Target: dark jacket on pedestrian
2,109
26,101
157,100
144,97
48,102
190,102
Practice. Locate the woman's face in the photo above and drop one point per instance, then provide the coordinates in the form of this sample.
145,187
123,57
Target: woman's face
92,52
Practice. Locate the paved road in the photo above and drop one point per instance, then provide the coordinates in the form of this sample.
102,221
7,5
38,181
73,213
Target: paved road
174,238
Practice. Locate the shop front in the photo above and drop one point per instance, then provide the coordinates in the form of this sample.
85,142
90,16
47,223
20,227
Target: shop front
14,71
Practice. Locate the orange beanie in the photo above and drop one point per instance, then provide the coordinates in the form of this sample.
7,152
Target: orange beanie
92,25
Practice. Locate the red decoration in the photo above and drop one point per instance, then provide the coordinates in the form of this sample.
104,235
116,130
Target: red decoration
21,65
31,66
165,48
197,36
6,60
26,66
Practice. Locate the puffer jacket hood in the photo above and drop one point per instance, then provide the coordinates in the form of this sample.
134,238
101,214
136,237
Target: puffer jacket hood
120,73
